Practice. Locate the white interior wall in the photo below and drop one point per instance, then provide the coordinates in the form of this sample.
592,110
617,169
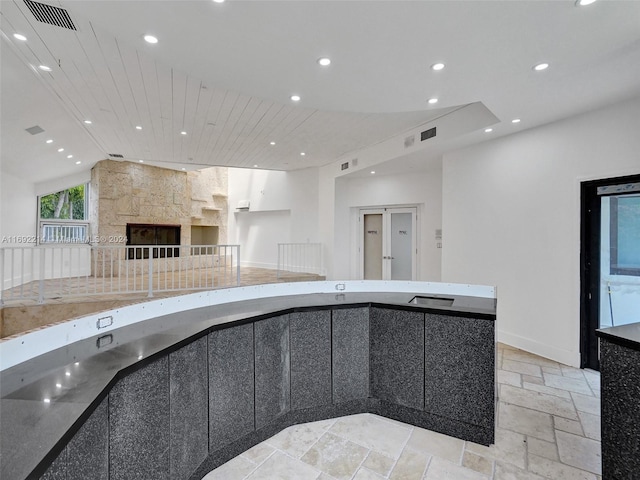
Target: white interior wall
283,209
423,189
18,213
511,218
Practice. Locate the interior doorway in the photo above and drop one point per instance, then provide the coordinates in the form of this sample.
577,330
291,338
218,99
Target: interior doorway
609,258
388,246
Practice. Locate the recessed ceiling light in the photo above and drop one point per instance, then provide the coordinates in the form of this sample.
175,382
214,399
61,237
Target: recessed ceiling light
541,66
77,363
272,143
373,172
218,1
49,141
433,101
255,166
138,127
61,149
183,133
140,357
47,400
44,68
302,154
183,169
88,122
582,3
58,385
437,66
488,130
69,156
324,61
515,120
68,374
150,39
20,37
141,161
295,98
78,162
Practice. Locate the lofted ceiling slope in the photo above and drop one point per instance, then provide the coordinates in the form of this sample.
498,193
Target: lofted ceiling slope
223,74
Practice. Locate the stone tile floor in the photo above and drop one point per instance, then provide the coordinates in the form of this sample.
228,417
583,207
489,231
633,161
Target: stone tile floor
90,288
548,427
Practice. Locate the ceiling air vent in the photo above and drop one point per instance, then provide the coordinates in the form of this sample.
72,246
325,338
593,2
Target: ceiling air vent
115,155
427,134
36,129
49,14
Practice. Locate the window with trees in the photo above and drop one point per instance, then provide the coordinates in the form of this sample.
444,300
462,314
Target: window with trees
63,216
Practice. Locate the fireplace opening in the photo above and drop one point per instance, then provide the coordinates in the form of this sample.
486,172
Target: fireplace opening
162,236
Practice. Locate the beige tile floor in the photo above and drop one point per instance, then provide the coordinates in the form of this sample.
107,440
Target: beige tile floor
548,428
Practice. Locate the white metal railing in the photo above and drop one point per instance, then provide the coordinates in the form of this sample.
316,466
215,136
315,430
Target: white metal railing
299,258
59,271
64,232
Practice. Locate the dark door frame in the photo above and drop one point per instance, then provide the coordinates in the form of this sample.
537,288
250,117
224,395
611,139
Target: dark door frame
590,265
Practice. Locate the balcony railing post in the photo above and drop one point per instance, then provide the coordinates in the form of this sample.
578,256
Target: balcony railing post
150,293
238,265
41,277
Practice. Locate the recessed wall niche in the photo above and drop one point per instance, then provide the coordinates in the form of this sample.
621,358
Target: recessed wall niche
202,235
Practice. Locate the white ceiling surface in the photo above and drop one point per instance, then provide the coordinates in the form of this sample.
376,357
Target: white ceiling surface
224,74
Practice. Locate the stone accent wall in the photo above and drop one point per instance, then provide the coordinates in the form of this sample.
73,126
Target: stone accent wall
125,192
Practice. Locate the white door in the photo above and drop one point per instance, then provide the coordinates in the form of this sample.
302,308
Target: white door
388,244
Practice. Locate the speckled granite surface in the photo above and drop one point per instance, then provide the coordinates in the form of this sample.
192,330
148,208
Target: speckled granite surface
189,398
267,374
350,344
397,357
272,374
231,385
310,359
139,424
459,368
620,391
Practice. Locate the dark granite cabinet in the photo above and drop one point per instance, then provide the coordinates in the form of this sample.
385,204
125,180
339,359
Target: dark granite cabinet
183,412
620,401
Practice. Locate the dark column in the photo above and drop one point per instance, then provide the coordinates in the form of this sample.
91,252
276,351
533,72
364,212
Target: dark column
620,391
139,424
189,397
460,369
310,359
397,357
350,354
231,394
273,384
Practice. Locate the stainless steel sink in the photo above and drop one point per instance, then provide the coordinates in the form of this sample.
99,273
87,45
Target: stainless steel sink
432,301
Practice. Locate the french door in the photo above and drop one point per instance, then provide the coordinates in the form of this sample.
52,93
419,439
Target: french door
610,259
388,247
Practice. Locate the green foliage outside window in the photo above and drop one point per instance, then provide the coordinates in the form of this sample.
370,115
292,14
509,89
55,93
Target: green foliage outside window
68,204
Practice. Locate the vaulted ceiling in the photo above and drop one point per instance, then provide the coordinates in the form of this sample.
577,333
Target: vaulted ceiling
223,73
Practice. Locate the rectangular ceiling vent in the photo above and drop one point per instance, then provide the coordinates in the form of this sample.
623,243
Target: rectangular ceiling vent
115,155
49,14
427,134
36,129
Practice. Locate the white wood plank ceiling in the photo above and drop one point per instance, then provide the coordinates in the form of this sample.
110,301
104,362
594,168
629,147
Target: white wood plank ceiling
119,87
223,73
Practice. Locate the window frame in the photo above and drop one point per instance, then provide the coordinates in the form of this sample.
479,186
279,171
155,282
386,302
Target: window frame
64,222
614,269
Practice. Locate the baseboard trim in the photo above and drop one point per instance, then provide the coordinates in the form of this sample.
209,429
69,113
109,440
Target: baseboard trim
565,357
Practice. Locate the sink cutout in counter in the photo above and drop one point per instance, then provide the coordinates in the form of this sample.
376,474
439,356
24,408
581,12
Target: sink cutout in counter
432,301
